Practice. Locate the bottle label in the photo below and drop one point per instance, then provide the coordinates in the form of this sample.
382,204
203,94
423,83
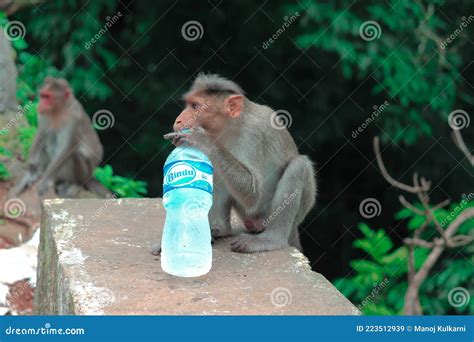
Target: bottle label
187,174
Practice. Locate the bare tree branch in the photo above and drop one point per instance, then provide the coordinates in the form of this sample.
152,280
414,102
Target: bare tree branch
385,173
459,141
12,6
448,239
410,206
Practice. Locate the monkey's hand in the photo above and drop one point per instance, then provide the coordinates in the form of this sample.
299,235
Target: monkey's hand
198,138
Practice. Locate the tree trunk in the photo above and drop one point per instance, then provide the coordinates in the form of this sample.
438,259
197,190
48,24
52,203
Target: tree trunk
8,75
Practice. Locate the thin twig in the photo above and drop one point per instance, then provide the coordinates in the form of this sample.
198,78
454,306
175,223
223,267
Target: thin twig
410,206
424,199
459,141
385,173
441,205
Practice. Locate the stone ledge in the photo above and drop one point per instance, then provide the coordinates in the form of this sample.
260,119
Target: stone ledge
94,259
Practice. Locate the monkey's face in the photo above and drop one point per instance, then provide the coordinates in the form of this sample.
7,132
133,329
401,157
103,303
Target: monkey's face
51,101
209,112
200,110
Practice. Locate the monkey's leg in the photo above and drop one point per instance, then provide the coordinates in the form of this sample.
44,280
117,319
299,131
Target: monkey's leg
287,208
86,176
80,171
219,215
307,202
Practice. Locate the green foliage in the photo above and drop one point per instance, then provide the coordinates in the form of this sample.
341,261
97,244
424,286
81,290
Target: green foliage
33,69
387,265
320,70
124,187
383,265
26,136
403,53
31,112
83,67
4,173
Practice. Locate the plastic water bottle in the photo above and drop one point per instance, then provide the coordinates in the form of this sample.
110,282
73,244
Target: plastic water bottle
186,249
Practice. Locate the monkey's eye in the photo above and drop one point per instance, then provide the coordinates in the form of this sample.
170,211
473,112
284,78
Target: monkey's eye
194,105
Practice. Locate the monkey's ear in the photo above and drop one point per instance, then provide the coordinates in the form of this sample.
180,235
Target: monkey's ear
234,105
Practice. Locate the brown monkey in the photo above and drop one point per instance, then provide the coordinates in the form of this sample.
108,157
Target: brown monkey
66,149
257,168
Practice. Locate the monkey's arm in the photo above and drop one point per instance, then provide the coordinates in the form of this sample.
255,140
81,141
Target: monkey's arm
33,165
241,181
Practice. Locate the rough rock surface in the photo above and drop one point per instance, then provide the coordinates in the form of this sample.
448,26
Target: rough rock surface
94,259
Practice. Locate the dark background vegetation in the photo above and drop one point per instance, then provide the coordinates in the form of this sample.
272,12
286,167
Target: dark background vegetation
319,70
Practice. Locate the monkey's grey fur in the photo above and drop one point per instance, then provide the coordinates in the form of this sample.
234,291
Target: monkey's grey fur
64,157
257,171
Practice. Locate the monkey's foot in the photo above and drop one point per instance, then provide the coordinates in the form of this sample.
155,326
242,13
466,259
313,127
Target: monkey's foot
250,243
254,225
156,250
